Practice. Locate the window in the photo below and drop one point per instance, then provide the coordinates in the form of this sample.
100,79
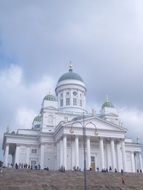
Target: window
80,103
67,101
74,101
61,102
61,95
34,151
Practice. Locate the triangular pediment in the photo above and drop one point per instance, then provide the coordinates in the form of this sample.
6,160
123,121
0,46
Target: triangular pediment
99,124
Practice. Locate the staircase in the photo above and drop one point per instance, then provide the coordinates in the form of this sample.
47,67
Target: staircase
22,179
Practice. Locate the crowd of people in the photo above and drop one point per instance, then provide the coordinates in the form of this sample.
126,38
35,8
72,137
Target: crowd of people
62,168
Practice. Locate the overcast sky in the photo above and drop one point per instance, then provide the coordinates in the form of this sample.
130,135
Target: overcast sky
103,39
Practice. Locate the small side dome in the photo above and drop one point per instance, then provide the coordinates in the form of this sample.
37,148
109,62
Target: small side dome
36,123
50,97
37,119
70,76
50,101
107,104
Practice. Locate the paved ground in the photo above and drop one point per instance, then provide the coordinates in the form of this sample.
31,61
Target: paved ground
12,179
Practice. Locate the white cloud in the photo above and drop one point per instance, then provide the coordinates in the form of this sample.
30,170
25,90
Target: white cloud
24,118
21,101
133,121
11,77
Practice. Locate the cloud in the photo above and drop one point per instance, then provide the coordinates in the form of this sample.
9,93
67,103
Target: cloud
24,118
20,101
102,38
133,121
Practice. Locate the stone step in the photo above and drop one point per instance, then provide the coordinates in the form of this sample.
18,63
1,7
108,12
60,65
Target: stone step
21,179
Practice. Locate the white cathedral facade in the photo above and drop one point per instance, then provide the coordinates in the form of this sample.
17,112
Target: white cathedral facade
56,137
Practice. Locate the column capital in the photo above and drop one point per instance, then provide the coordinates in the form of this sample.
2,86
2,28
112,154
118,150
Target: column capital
88,137
101,138
76,136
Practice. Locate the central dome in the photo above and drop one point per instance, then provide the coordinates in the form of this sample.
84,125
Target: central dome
70,76
71,92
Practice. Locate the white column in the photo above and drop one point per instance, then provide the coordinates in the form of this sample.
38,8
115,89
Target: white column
102,154
133,161
113,154
108,155
76,152
88,154
119,156
27,156
65,152
61,153
17,152
123,155
6,155
141,161
42,156
73,154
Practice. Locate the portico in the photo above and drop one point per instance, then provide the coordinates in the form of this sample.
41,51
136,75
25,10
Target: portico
110,153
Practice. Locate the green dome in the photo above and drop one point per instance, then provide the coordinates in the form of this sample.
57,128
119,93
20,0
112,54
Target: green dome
107,104
37,118
50,97
70,76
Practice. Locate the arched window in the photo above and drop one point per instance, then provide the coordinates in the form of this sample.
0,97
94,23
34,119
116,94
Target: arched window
74,101
67,101
61,102
80,102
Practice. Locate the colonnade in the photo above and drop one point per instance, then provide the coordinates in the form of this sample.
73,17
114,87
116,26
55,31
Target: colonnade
116,152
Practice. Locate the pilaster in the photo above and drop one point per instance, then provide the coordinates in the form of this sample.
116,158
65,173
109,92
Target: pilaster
6,155
133,161
65,152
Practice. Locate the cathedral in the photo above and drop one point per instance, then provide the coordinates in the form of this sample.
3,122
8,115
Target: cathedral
64,134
